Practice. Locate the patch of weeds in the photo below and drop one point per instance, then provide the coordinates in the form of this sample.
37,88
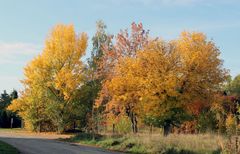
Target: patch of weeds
7,149
108,143
84,138
176,151
138,149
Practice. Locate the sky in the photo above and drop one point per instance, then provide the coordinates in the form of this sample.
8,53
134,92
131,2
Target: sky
24,25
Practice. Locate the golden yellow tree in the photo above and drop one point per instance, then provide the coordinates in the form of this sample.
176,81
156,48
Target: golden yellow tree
142,84
53,78
202,69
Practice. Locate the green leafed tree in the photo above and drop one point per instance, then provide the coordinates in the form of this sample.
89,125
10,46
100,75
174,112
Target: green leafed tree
5,115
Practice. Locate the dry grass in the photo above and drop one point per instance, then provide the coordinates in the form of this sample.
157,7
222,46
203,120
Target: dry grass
200,143
156,143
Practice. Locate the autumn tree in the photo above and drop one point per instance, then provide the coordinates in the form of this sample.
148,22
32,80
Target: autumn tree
202,70
127,44
165,77
146,84
202,73
52,79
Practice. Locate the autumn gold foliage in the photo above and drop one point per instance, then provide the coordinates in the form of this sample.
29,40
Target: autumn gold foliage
202,66
164,76
52,79
126,46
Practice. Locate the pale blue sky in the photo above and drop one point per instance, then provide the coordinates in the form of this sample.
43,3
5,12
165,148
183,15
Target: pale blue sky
25,24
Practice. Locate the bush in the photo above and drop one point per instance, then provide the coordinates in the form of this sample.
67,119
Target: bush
206,122
123,126
231,124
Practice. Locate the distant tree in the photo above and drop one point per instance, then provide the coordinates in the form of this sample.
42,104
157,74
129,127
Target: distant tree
5,115
14,94
234,86
5,99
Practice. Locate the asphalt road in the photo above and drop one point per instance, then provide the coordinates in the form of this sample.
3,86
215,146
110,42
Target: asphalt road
46,144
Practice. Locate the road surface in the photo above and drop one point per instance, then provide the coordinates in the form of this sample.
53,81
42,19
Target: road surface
30,143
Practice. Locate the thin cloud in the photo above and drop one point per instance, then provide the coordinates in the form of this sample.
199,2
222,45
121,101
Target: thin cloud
14,52
13,58
18,48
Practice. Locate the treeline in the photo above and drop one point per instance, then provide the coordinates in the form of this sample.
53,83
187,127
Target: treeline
130,80
8,119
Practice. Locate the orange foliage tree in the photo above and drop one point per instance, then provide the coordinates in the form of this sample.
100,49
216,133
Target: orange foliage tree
127,44
159,80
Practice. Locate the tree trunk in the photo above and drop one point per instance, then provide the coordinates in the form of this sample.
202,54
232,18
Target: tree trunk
93,124
166,129
74,126
133,118
151,129
113,129
40,127
134,122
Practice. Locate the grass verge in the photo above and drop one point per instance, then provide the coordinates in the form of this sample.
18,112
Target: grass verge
7,149
145,143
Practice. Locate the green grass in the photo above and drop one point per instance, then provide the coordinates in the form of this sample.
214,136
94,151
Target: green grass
156,143
7,149
11,130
